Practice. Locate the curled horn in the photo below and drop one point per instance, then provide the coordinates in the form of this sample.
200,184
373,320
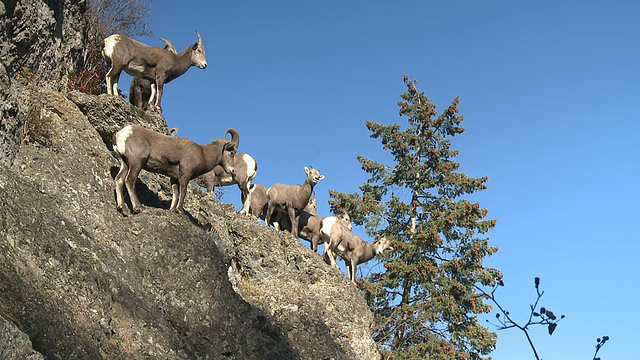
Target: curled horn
235,138
169,46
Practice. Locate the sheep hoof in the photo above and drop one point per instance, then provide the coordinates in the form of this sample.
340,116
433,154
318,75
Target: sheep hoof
136,210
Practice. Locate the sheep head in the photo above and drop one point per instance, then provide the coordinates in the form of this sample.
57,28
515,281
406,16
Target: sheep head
197,54
229,151
382,244
313,175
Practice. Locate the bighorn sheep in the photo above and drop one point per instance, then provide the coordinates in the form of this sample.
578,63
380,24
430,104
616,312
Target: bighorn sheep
309,222
280,219
292,199
258,201
258,204
341,241
245,168
180,159
140,92
158,65
310,225
141,89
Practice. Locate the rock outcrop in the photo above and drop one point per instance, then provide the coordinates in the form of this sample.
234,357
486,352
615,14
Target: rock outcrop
85,282
47,39
80,281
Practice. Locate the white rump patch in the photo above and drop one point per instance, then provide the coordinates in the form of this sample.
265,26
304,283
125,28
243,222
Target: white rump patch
327,224
109,44
121,139
251,167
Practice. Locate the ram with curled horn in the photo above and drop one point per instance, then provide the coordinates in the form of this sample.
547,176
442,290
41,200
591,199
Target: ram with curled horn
182,160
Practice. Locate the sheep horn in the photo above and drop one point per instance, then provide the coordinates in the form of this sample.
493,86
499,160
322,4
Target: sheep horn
199,38
169,46
235,138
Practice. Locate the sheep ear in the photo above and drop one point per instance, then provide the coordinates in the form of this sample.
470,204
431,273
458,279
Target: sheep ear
230,146
306,170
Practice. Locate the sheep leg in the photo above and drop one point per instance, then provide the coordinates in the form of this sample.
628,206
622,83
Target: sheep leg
174,194
267,218
151,97
119,182
246,196
107,79
210,187
112,78
352,268
277,224
314,241
329,253
159,84
294,221
109,82
130,182
183,193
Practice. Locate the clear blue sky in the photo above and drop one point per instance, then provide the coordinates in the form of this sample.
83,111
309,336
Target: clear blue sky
549,91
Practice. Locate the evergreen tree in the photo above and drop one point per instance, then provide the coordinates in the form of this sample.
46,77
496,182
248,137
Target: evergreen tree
425,303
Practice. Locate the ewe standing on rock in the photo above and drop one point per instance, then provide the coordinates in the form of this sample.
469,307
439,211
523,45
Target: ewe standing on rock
245,167
156,64
180,159
292,199
340,240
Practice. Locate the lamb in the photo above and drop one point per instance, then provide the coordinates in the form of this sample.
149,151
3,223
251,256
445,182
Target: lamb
245,168
292,199
137,148
341,241
153,63
141,90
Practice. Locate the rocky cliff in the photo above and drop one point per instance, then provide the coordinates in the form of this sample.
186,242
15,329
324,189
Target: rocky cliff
47,38
80,281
